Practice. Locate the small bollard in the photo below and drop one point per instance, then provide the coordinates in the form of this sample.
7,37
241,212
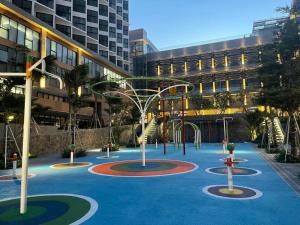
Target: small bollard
71,157
14,170
230,164
156,146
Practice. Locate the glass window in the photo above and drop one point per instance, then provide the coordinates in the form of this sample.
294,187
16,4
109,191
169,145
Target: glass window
59,52
112,18
79,6
79,22
119,24
13,31
36,41
112,32
92,16
103,25
65,55
119,38
92,2
112,46
21,34
47,18
103,10
4,27
92,32
63,11
29,39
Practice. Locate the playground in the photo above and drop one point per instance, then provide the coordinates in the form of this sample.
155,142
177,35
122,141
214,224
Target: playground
172,189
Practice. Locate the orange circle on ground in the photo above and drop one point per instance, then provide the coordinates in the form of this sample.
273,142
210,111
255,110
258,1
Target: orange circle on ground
70,165
174,167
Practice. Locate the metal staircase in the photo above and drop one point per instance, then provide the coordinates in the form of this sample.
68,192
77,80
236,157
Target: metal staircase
149,131
279,133
274,131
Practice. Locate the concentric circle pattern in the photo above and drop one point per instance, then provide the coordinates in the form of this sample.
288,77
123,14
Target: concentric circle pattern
10,178
237,171
238,193
70,165
48,209
134,168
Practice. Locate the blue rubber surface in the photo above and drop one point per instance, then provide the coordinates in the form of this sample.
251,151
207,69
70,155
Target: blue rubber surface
171,200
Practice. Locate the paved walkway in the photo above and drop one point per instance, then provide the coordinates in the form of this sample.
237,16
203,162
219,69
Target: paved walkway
290,172
170,200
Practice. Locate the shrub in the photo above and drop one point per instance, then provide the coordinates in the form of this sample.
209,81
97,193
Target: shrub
280,157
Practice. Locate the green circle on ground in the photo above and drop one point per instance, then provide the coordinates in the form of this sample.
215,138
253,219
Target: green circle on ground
48,209
14,214
137,166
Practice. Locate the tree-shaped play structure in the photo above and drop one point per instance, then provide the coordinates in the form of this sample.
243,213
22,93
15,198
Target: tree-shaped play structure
143,98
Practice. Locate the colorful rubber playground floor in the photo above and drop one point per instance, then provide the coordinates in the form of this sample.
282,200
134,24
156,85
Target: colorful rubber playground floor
171,190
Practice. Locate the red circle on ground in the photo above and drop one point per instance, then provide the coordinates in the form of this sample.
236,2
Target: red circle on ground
10,178
105,169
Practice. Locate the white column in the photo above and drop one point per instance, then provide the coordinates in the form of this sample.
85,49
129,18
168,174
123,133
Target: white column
5,146
230,179
71,157
26,138
143,139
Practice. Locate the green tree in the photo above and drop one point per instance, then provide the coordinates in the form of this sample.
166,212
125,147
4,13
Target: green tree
73,79
280,74
253,121
223,100
199,102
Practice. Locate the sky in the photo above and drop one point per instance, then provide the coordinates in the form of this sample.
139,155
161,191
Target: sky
175,23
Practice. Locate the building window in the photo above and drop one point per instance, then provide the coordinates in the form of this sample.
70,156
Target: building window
126,56
79,6
112,59
125,43
23,4
119,24
125,30
92,16
64,29
103,40
119,10
119,38
11,30
62,53
112,46
126,67
92,32
103,53
120,63
103,10
125,17
112,32
92,2
120,51
63,11
48,3
112,4
93,47
103,25
125,5
79,23
47,18
79,38
112,18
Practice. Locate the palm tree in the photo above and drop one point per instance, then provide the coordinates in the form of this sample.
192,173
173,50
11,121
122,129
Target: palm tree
73,80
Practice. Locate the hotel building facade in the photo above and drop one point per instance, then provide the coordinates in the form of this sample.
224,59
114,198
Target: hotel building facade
37,25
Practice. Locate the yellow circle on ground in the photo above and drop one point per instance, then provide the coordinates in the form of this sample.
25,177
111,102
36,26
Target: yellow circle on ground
234,192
